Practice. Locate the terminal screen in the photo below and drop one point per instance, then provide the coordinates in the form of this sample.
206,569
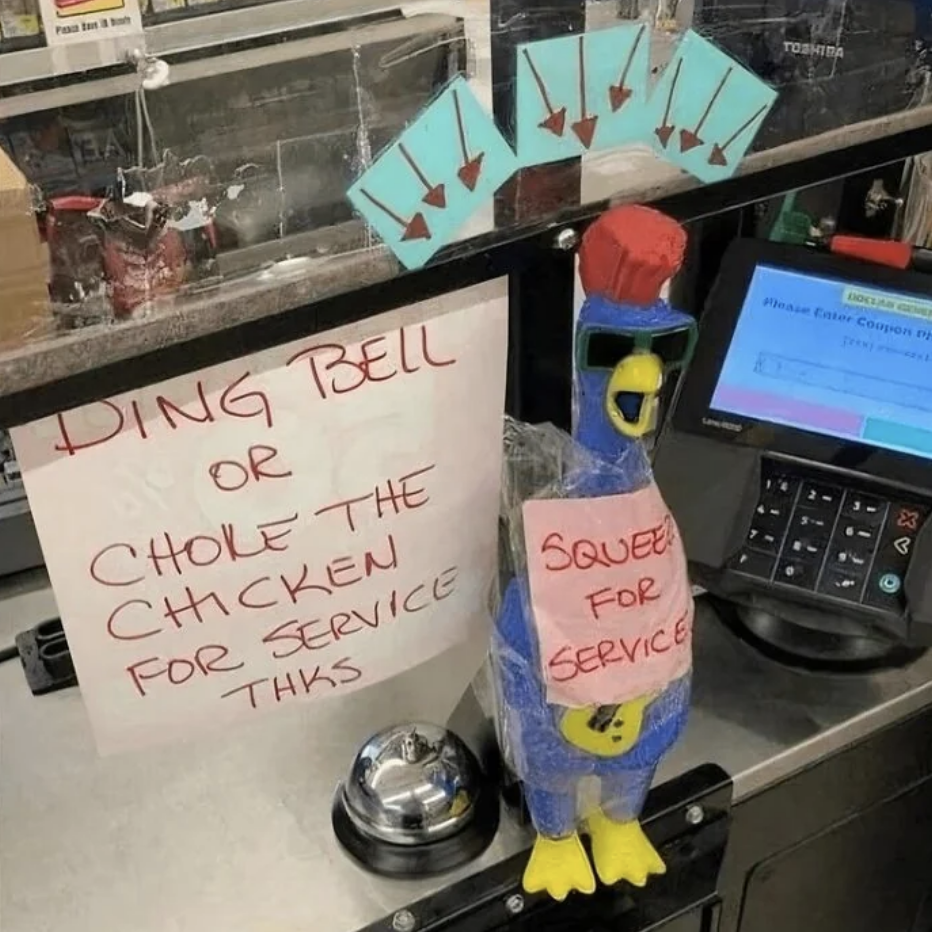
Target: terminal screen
847,360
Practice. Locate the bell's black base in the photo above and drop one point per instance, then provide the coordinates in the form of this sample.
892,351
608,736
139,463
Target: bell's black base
381,857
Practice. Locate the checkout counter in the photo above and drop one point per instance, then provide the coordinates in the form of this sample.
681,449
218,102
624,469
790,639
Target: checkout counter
796,799
823,781
799,796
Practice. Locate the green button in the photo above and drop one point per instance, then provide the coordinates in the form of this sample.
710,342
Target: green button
889,583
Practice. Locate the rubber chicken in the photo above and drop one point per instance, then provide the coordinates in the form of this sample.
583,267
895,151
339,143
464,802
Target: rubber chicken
627,341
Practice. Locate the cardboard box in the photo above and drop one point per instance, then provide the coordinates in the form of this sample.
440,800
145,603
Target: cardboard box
24,265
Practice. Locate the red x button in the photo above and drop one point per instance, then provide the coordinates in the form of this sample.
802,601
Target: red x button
908,519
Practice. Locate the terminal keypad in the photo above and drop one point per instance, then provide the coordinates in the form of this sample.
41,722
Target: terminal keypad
826,538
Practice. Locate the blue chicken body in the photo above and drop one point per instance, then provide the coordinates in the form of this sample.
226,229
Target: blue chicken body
549,766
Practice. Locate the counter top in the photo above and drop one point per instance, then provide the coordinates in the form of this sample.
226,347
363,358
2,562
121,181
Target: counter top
624,175
233,831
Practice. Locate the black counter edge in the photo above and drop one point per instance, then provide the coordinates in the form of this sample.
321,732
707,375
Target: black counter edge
687,819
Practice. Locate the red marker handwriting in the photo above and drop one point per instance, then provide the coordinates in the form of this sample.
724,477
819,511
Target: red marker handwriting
387,498
230,475
187,607
337,369
584,127
623,597
717,156
285,639
141,416
400,353
665,130
436,195
556,119
618,94
585,554
689,138
208,659
568,662
302,681
120,564
469,171
415,228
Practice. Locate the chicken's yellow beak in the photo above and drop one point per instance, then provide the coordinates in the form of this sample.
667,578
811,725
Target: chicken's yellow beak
632,394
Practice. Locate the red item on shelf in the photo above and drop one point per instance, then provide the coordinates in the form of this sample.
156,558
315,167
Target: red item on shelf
887,252
75,262
142,257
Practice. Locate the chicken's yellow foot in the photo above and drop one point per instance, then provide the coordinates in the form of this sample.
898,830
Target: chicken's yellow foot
558,865
621,851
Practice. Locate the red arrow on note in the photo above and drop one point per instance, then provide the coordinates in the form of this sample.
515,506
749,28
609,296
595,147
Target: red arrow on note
556,119
665,130
415,228
689,138
584,127
619,93
469,171
435,196
717,156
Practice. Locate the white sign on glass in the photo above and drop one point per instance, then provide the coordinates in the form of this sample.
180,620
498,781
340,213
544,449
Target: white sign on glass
289,526
74,22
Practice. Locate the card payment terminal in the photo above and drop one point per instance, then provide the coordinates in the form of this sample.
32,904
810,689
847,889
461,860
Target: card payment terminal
798,457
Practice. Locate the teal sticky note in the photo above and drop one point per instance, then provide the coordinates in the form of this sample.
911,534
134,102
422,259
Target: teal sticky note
706,109
581,93
426,184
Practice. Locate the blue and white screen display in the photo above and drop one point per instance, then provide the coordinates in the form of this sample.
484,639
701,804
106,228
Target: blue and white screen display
835,358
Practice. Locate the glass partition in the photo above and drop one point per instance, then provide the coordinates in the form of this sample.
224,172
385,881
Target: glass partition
239,126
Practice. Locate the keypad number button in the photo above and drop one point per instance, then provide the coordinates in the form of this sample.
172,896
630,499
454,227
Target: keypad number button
850,558
804,547
772,514
856,533
813,522
865,508
779,488
754,563
822,497
762,538
842,584
796,573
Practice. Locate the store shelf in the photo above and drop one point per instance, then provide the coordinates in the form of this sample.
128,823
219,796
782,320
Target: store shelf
272,17
208,66
38,64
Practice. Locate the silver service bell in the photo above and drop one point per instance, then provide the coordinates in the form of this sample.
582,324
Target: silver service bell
415,802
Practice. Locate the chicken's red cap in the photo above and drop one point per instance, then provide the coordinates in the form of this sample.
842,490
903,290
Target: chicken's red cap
628,254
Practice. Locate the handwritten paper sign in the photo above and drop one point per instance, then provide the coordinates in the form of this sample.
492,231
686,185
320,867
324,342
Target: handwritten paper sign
706,109
610,596
438,172
581,93
289,526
